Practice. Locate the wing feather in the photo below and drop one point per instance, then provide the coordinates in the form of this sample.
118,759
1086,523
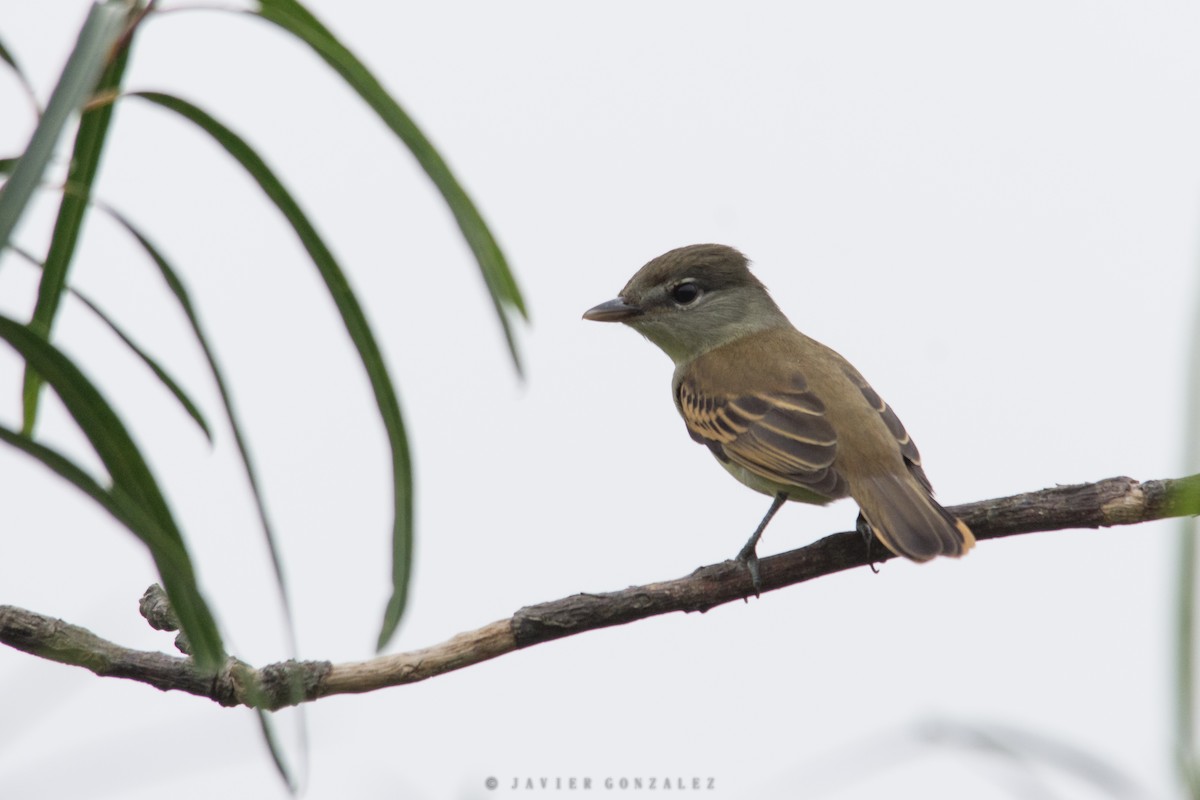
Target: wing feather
908,448
783,437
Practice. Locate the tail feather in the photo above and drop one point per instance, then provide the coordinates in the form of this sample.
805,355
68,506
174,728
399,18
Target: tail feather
908,521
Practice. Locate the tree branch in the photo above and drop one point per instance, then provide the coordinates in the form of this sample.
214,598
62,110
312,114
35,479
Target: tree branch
1115,501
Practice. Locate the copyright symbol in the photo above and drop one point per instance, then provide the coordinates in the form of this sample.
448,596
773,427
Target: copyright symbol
491,783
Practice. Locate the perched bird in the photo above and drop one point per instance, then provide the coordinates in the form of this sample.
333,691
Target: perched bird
783,413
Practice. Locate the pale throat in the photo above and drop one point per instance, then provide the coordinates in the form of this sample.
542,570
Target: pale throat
688,334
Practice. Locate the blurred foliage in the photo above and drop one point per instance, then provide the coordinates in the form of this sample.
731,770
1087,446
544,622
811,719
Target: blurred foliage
88,93
1186,738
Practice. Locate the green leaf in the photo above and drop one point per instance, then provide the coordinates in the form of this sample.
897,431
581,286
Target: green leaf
100,30
118,505
274,746
7,58
172,386
360,334
170,556
175,284
7,164
502,286
134,497
68,470
1187,593
85,160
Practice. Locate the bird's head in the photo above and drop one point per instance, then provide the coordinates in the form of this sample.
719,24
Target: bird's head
691,300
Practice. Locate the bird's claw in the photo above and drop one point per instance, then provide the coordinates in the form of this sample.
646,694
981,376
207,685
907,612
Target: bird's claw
868,533
748,556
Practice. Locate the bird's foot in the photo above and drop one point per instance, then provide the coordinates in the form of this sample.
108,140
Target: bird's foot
868,534
748,556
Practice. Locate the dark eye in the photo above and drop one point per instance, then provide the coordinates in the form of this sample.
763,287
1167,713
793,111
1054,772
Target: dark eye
685,293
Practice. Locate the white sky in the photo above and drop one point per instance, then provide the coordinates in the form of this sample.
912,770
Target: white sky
991,209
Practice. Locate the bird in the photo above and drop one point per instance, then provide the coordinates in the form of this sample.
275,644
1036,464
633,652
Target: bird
781,412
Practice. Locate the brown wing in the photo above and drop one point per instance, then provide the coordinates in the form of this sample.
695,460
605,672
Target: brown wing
908,448
782,436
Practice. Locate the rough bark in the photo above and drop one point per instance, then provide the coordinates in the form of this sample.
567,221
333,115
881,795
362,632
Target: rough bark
1115,501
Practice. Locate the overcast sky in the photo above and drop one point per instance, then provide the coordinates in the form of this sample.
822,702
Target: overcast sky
990,209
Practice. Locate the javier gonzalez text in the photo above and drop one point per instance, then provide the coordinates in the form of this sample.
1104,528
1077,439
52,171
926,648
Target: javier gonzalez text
694,783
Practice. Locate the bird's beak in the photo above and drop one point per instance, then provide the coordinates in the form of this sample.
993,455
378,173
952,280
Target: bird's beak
616,310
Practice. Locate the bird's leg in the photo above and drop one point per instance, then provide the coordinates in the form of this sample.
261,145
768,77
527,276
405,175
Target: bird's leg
748,555
868,534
